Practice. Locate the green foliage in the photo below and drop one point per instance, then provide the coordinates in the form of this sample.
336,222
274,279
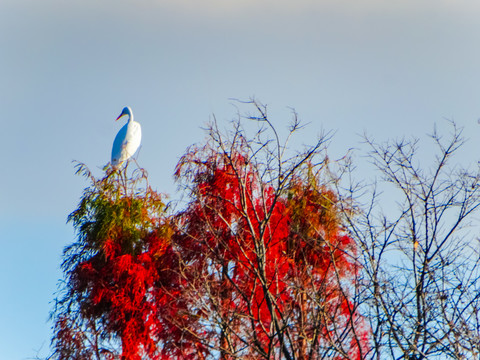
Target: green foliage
114,207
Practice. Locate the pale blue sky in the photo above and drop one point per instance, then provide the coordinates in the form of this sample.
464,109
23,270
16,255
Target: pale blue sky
68,67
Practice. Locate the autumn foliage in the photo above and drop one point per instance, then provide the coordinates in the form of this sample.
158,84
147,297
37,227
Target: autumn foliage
120,275
278,267
255,265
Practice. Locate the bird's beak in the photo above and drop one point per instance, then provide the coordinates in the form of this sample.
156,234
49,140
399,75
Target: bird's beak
119,116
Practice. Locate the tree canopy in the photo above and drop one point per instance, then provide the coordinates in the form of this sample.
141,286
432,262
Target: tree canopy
255,265
274,253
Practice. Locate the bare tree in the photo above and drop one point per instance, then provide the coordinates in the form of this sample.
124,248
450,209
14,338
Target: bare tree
421,259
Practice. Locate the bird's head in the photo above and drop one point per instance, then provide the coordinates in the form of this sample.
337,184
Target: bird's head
126,111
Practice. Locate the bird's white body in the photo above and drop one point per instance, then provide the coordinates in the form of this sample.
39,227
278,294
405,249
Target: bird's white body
127,140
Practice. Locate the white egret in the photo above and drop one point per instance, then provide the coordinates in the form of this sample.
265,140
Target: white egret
127,140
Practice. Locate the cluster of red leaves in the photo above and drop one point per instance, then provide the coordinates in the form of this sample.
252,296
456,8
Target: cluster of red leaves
223,225
265,245
126,292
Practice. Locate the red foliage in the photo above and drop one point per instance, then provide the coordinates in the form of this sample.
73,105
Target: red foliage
265,251
248,270
138,298
123,289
